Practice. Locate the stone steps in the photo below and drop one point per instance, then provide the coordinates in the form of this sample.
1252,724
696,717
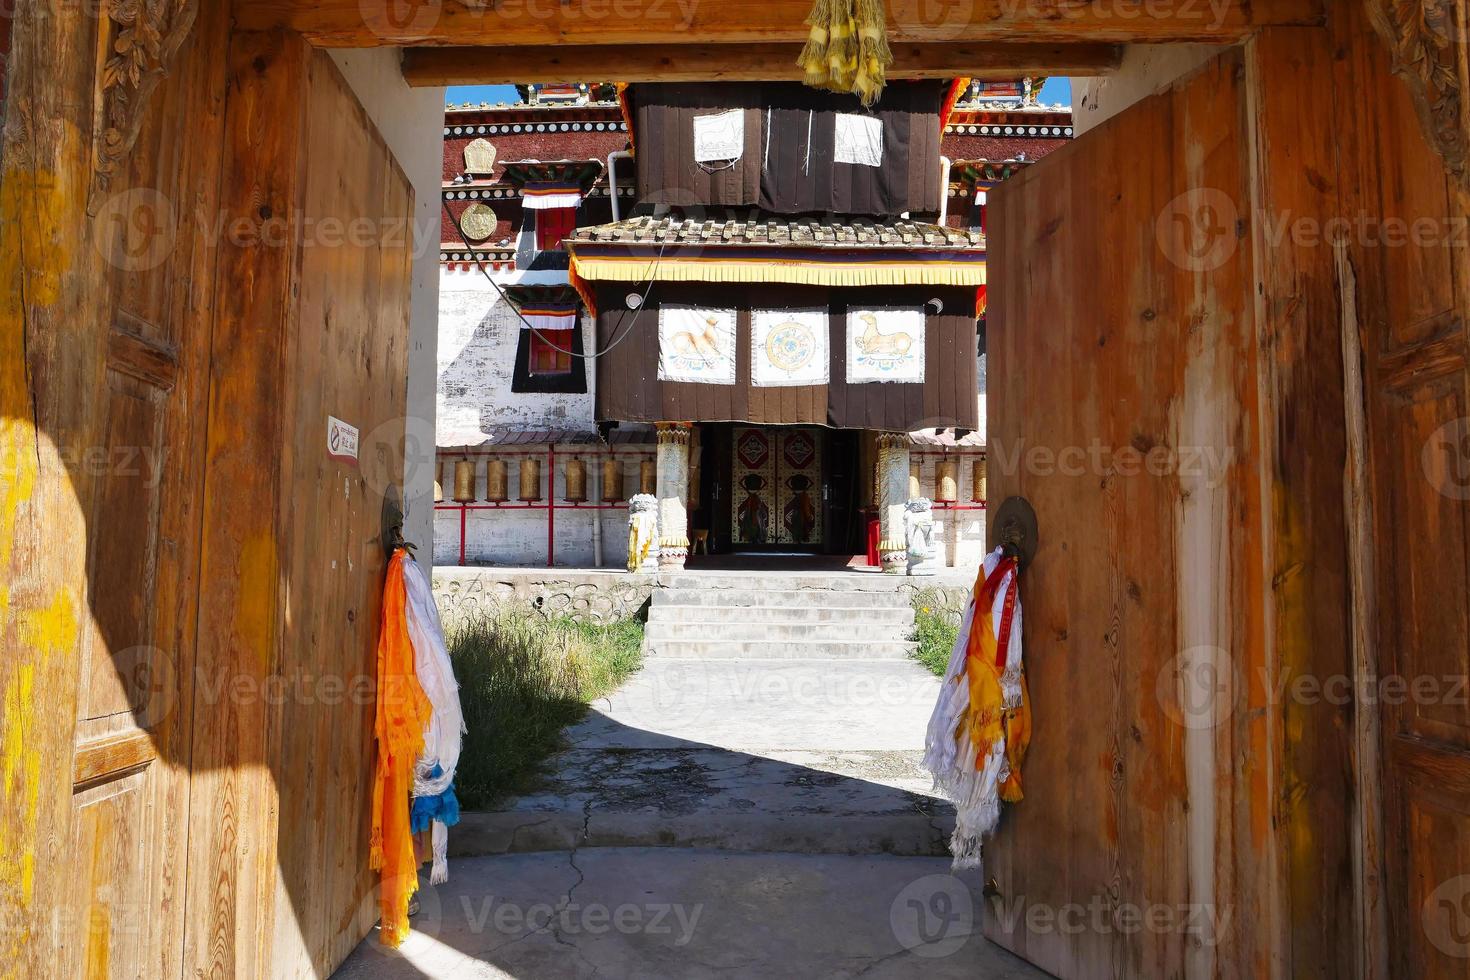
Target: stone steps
748,597
839,583
781,650
811,615
747,631
696,616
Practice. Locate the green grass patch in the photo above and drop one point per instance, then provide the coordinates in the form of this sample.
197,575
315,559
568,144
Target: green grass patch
522,679
935,629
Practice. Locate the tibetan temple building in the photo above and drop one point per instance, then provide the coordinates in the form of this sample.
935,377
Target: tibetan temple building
759,302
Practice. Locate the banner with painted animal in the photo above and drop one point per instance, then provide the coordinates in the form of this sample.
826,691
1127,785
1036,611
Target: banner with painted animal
696,343
885,344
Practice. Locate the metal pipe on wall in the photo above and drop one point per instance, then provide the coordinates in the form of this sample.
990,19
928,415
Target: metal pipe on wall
596,479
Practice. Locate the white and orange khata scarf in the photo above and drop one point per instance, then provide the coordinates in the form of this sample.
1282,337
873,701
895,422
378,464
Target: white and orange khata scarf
982,722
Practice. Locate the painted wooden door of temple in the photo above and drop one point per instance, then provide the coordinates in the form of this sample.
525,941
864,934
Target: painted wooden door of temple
777,487
1107,350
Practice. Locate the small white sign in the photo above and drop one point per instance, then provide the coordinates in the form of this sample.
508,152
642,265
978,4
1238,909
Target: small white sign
859,140
719,136
341,440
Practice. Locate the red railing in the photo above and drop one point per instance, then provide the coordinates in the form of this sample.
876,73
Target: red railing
549,504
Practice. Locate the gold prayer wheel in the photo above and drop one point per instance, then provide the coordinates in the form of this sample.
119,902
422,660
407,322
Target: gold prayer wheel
647,477
916,484
978,489
438,482
530,479
612,480
496,490
947,481
464,482
576,481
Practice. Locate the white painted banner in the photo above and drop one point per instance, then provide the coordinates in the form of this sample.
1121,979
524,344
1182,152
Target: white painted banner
885,345
859,140
789,347
696,343
719,136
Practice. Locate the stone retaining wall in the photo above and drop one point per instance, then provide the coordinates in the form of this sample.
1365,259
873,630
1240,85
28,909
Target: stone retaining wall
587,596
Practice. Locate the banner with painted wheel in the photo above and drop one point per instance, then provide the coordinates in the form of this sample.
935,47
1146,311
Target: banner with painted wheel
789,347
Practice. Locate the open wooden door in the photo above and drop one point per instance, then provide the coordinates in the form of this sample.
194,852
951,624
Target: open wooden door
190,570
1122,407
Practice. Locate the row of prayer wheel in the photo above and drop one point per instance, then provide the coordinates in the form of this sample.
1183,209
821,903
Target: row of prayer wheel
947,481
497,480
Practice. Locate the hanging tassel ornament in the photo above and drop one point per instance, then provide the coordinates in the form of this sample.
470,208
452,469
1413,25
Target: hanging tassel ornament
847,48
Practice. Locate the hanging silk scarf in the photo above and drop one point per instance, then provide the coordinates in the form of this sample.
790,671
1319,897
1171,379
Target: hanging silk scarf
402,714
434,804
981,724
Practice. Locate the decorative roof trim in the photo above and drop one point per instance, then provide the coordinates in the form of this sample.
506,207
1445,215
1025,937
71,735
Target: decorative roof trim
841,270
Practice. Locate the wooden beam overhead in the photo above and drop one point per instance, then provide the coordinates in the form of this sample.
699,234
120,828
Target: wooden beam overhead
508,23
737,62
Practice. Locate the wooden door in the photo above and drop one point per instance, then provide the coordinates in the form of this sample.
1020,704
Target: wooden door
1411,272
1121,406
138,474
777,487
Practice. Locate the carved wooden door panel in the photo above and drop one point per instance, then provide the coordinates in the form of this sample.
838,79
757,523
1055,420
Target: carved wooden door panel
1413,300
1113,341
140,477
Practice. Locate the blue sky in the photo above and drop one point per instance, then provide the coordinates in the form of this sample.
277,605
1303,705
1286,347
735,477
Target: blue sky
1055,90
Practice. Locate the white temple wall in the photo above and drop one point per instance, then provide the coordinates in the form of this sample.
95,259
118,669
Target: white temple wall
478,334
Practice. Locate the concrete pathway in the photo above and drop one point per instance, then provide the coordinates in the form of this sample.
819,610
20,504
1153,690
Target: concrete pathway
740,816
679,913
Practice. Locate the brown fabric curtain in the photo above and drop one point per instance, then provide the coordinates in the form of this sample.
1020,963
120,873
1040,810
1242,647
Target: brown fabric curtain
628,388
801,176
664,126
787,166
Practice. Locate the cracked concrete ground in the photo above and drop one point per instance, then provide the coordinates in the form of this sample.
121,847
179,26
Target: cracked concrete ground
673,912
750,818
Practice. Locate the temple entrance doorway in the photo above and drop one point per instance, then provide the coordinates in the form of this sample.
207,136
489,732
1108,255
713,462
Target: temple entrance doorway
779,490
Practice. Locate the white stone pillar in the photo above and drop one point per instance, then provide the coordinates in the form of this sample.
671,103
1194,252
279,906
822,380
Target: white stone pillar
672,479
892,480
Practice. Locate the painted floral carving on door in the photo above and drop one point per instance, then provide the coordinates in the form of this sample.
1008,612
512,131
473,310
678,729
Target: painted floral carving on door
777,474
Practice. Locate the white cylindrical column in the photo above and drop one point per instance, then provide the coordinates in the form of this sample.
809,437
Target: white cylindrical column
892,481
673,489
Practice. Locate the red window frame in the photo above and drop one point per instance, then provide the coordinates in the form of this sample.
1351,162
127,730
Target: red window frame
553,225
544,357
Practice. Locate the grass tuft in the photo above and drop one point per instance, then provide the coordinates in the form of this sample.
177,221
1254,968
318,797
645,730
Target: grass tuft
935,629
522,679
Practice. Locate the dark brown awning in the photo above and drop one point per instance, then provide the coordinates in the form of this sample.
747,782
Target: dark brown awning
629,389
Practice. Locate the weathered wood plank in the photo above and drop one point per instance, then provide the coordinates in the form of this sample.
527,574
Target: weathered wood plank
1123,406
350,23
739,62
1302,742
234,806
347,359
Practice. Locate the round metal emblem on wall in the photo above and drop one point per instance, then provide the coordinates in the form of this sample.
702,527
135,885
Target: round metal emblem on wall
478,222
